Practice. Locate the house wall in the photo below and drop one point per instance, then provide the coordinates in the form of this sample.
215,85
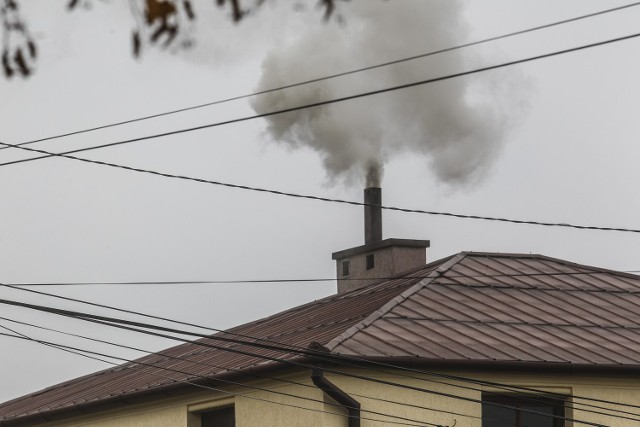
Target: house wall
262,408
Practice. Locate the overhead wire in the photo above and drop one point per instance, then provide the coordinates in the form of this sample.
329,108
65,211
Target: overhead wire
351,360
330,200
136,326
306,280
316,104
251,374
79,352
340,74
261,376
505,406
67,154
76,350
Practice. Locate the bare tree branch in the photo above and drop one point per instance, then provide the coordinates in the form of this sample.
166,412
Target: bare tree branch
163,23
18,47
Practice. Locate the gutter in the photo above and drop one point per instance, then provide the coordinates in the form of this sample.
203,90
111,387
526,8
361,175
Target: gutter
343,399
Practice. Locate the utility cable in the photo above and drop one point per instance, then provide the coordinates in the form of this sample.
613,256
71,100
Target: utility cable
315,104
351,360
341,74
345,360
307,280
135,326
256,375
364,378
240,371
134,362
76,350
253,374
325,199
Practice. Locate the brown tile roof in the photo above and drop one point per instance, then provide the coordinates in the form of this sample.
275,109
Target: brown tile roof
473,307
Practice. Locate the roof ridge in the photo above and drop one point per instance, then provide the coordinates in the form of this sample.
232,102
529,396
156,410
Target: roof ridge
395,301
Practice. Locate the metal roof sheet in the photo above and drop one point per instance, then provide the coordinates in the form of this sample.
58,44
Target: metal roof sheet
509,308
471,307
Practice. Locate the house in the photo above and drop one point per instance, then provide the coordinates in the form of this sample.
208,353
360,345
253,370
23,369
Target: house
475,339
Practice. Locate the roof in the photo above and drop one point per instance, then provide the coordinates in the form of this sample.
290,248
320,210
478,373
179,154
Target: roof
468,308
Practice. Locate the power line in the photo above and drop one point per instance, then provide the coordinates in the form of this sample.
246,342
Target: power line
342,359
252,374
135,326
321,199
79,351
324,199
341,74
496,286
314,280
315,104
293,363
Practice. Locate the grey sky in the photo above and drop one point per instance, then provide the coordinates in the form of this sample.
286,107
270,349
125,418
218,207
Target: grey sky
571,156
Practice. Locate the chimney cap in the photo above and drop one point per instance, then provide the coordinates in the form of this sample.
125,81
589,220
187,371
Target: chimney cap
412,243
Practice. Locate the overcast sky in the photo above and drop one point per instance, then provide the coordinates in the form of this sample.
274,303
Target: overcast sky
563,148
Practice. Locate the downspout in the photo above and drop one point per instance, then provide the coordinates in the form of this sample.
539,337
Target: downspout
343,399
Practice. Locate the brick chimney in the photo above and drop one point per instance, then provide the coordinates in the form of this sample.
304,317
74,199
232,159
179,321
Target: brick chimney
377,259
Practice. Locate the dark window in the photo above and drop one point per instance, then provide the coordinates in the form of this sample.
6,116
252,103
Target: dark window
224,417
371,262
518,414
345,268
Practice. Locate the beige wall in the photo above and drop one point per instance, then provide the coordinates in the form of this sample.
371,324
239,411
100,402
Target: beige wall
261,408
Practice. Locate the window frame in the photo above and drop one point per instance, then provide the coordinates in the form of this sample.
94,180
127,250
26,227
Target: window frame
519,401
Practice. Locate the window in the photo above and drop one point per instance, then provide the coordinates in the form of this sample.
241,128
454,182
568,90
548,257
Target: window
345,268
223,417
497,416
370,261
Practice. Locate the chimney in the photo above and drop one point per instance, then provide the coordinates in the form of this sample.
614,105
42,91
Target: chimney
377,259
372,215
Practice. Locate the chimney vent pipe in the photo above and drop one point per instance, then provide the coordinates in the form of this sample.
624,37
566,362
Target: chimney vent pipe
372,215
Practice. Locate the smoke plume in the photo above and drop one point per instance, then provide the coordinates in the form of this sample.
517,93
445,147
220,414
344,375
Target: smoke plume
456,125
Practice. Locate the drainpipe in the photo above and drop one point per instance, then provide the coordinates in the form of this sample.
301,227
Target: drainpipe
343,399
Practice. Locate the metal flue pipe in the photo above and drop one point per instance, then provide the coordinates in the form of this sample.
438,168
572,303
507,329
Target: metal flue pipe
372,215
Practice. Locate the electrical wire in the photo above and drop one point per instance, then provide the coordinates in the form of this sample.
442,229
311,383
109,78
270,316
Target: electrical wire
336,75
135,326
315,104
351,375
307,280
350,360
252,374
77,350
256,375
326,199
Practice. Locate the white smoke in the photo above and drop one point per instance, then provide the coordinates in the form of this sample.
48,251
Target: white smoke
457,125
